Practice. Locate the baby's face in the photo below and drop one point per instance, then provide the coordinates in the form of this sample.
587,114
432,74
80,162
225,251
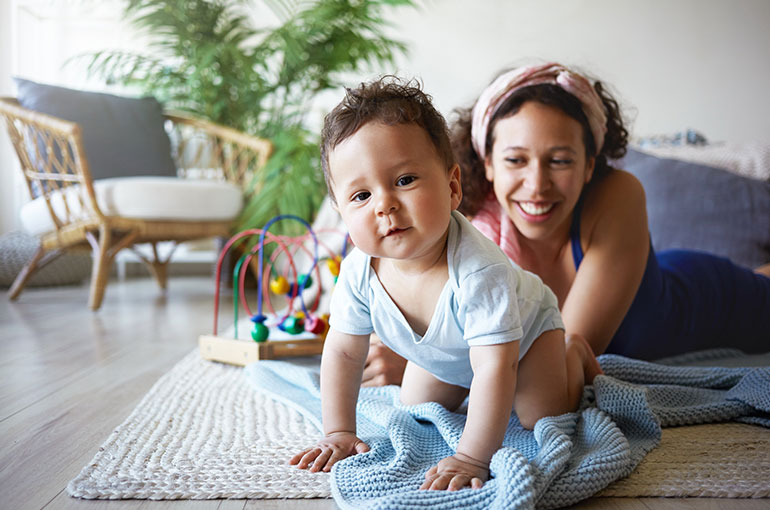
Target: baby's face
392,190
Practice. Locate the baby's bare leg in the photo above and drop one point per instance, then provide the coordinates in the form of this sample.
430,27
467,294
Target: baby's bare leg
551,377
420,386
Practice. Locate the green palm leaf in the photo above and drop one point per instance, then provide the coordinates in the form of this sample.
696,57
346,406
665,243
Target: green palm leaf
211,59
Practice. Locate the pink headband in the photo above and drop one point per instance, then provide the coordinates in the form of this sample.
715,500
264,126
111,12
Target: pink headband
508,83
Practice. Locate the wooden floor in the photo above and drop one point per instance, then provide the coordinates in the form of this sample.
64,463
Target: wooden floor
69,376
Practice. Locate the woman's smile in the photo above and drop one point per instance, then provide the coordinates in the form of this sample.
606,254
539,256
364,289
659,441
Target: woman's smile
539,208
536,212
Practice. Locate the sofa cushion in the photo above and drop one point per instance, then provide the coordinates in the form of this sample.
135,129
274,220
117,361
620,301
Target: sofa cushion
698,207
122,136
749,159
147,198
17,248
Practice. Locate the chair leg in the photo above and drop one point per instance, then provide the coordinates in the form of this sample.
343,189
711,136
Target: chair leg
40,259
100,271
104,251
159,271
158,268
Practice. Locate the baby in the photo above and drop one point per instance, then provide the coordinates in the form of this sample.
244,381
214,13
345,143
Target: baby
434,289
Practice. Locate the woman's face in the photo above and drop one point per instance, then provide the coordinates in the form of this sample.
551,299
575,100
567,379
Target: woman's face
538,168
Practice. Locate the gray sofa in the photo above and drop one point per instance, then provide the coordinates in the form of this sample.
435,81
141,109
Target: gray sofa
699,207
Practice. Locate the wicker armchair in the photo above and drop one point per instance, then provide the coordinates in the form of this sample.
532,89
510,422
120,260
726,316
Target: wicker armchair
55,167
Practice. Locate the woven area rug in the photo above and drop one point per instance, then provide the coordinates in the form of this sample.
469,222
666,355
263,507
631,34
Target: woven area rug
726,460
202,432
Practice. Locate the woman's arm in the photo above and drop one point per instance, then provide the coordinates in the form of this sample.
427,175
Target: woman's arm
616,243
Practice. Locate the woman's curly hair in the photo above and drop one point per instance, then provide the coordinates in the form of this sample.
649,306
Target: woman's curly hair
476,187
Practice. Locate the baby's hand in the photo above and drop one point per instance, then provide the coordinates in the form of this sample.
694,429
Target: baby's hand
328,451
455,472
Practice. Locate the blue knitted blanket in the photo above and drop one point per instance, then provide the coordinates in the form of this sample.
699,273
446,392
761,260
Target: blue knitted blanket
565,459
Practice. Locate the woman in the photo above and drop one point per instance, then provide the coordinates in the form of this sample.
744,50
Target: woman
534,152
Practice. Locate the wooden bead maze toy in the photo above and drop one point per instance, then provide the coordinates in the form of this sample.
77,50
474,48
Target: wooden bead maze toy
298,330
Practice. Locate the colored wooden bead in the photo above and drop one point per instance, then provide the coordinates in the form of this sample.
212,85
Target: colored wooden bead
334,265
315,325
305,280
279,285
259,332
293,325
257,318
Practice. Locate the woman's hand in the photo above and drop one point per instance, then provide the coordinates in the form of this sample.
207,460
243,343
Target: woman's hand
331,449
383,366
455,472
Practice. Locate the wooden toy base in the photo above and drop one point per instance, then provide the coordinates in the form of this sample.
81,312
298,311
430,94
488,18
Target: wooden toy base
243,352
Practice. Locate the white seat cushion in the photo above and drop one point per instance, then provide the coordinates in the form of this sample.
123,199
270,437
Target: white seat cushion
147,198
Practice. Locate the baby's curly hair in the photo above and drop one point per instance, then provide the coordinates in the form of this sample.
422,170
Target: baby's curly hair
476,187
388,100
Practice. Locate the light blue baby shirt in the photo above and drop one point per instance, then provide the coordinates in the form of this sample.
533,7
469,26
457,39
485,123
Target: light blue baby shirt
487,300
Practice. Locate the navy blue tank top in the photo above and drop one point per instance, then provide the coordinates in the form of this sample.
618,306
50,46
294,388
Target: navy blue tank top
687,301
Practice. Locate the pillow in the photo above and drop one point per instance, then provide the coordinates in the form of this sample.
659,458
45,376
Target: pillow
122,136
698,207
17,248
749,159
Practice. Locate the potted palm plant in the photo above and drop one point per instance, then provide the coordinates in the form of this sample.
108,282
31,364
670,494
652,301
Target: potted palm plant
209,58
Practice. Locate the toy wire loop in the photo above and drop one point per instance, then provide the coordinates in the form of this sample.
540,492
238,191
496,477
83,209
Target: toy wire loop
287,246
300,281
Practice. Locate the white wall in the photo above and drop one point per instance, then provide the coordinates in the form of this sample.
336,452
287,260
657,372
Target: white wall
37,37
674,64
7,163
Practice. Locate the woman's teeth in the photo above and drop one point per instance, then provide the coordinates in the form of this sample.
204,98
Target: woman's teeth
535,209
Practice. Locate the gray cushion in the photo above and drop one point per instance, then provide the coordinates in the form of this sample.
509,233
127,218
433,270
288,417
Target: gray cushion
17,248
693,206
122,136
